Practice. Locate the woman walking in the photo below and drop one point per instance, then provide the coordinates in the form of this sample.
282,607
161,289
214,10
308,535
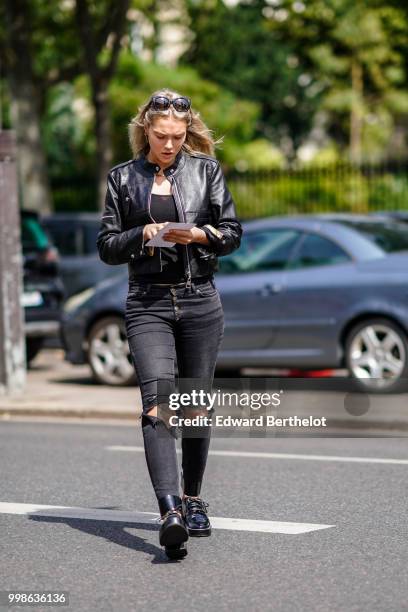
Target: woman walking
173,309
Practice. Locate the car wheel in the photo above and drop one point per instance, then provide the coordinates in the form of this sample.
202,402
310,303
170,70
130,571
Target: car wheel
376,352
109,354
33,347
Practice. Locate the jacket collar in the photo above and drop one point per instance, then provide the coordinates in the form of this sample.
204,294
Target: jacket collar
178,163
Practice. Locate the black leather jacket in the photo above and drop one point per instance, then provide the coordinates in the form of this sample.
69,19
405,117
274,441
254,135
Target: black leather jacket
201,196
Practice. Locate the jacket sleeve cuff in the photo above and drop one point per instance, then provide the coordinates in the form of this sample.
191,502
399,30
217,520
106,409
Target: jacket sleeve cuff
145,250
215,238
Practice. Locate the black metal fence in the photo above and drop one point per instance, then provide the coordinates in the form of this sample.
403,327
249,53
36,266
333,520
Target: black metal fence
339,188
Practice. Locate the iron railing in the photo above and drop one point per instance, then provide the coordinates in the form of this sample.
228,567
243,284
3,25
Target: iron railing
340,188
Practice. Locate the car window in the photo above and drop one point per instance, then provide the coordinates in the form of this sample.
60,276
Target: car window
33,236
390,236
261,250
91,233
316,250
68,240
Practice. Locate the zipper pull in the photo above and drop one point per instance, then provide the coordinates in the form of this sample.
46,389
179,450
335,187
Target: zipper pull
143,241
188,284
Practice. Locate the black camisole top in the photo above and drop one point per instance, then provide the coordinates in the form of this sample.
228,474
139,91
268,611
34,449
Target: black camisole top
163,208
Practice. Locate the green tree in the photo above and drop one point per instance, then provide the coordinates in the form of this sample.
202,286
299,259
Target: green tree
25,103
235,47
100,32
351,48
45,44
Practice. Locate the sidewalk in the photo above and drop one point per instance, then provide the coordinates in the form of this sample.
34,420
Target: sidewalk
56,388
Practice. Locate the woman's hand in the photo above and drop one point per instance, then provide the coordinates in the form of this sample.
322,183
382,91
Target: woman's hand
186,236
151,229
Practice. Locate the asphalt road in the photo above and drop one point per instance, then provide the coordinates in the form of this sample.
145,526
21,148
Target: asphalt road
326,530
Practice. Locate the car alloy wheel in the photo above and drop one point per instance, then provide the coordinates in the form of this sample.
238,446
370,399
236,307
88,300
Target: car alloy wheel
376,355
108,352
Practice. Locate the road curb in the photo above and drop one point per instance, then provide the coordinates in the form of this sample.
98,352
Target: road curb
334,425
66,413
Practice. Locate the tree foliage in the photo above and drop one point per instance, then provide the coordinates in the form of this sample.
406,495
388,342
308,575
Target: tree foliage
235,47
273,77
353,51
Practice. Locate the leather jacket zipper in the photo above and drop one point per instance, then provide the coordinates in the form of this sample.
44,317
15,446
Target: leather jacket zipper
153,221
179,206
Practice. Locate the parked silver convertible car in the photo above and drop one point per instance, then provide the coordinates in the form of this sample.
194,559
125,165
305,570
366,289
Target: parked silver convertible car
322,291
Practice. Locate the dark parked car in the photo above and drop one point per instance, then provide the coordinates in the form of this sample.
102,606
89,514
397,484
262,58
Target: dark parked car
74,235
43,289
397,215
309,292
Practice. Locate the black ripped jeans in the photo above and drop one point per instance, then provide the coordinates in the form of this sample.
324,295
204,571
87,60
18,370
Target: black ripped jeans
164,324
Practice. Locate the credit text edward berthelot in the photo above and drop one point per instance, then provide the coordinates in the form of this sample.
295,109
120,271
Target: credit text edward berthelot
201,401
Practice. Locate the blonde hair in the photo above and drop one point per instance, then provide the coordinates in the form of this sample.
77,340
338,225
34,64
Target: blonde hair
198,137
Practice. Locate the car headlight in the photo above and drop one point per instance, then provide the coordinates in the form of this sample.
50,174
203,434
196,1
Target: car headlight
77,300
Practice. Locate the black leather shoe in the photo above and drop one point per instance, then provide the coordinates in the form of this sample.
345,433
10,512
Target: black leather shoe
195,517
173,532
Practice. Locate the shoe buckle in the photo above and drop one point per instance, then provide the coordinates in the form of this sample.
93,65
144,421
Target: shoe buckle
169,513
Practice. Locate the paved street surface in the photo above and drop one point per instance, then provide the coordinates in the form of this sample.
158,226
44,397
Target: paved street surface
299,524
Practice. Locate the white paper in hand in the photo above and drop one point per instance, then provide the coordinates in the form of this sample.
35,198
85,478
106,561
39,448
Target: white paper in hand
158,241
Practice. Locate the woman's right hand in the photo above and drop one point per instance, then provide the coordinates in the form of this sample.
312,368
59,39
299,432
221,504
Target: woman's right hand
151,229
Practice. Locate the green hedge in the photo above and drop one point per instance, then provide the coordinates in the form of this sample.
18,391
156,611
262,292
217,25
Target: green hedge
298,192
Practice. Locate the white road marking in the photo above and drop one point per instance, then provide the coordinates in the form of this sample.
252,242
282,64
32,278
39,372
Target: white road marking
226,453
150,518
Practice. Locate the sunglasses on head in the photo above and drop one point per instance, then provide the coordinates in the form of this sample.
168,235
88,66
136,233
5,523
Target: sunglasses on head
161,103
